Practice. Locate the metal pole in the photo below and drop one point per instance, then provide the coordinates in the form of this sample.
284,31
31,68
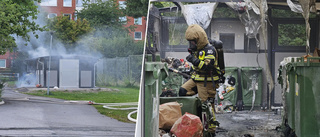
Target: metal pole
48,77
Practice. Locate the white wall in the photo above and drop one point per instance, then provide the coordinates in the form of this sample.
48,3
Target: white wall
231,27
245,59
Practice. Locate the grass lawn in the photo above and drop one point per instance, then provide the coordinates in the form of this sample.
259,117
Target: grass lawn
116,95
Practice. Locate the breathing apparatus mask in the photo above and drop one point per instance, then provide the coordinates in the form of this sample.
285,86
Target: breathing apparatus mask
192,46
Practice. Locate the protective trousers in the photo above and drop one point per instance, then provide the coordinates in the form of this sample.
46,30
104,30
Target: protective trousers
204,93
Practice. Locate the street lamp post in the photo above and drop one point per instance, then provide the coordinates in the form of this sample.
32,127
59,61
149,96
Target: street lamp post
48,78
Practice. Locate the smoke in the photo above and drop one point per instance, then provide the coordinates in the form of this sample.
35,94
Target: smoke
40,47
27,80
111,42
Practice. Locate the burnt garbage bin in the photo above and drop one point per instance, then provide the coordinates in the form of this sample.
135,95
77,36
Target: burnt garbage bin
251,83
287,78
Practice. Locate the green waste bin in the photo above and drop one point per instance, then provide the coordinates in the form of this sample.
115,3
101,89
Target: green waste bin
173,82
289,97
251,83
189,104
155,73
232,95
307,98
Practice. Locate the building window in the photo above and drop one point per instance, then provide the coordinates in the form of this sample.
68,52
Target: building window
79,3
2,63
68,15
287,38
48,3
123,20
67,3
138,21
250,45
228,42
52,15
122,5
137,35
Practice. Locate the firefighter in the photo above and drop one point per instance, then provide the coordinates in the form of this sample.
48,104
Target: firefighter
205,76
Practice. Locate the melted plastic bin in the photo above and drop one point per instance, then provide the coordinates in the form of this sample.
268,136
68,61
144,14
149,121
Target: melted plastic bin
289,95
290,98
251,82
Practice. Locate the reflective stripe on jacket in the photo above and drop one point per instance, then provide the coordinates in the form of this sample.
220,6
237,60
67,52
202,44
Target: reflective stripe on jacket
208,64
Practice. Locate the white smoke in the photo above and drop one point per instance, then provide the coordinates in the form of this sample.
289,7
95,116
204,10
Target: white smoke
41,47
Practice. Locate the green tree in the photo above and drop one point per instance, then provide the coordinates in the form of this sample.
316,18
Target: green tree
132,9
286,37
17,19
68,31
102,14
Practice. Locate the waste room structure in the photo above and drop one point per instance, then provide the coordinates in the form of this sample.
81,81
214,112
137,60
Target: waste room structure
65,72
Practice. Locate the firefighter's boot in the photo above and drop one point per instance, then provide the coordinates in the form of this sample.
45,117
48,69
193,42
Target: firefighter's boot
208,119
213,123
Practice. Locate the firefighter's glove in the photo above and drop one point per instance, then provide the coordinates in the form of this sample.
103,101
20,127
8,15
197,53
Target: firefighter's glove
221,79
193,60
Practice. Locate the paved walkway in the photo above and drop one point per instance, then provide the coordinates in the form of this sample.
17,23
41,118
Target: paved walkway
25,115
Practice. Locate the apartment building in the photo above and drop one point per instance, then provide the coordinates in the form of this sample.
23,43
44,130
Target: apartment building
69,7
5,61
139,23
55,8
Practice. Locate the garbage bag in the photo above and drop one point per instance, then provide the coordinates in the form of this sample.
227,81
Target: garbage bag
168,114
188,125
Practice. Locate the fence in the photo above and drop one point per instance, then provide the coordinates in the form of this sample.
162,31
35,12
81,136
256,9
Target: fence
9,76
124,71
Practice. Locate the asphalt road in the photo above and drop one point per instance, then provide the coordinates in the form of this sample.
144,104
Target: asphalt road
25,115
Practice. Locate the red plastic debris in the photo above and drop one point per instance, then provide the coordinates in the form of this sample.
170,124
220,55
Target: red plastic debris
38,85
188,125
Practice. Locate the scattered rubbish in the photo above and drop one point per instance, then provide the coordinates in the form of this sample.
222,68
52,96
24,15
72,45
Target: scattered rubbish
219,109
55,88
168,93
169,113
220,91
38,85
232,80
162,132
224,106
166,135
226,87
188,125
229,109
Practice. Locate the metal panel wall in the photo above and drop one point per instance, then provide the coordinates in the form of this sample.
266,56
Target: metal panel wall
40,77
53,78
69,73
86,79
